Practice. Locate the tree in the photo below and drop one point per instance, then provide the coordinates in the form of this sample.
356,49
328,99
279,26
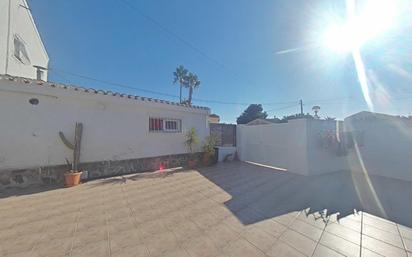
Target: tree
180,75
297,116
287,118
193,82
252,112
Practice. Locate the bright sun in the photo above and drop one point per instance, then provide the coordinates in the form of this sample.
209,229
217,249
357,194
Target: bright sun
361,25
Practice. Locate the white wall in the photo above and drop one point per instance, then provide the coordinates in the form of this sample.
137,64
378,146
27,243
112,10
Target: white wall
278,145
4,17
21,24
114,128
386,148
323,159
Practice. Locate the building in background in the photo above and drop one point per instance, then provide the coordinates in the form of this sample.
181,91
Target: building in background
214,118
22,52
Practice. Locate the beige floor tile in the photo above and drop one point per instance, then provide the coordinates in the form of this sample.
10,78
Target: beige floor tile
406,232
95,249
344,232
380,223
177,252
18,254
85,237
242,248
307,229
272,227
408,244
369,253
285,219
340,245
123,239
200,246
381,247
314,219
150,228
350,223
387,237
221,235
159,243
323,251
53,247
280,249
259,238
185,230
299,242
190,214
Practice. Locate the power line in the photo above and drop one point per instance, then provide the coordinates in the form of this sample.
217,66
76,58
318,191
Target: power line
113,83
330,101
178,37
284,108
121,85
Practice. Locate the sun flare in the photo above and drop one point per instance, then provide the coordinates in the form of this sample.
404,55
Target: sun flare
362,24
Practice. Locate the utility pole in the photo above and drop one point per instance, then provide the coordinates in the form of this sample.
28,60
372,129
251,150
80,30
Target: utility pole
301,107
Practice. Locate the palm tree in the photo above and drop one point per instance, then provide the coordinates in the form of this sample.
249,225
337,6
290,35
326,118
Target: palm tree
193,82
180,76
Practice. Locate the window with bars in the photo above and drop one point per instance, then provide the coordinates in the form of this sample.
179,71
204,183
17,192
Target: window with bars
164,125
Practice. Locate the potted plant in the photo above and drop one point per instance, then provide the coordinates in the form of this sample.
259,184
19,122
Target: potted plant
191,141
73,174
209,150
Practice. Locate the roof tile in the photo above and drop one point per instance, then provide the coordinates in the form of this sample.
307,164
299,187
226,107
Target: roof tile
96,91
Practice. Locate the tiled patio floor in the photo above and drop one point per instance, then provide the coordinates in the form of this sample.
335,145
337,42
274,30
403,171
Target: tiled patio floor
234,209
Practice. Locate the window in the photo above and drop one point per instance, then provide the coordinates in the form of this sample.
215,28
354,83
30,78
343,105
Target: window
39,74
20,50
164,125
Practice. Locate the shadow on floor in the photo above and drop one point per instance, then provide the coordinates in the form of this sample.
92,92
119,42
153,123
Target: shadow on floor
272,193
35,189
136,176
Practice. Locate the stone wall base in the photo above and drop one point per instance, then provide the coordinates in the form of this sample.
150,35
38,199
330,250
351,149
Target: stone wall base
53,175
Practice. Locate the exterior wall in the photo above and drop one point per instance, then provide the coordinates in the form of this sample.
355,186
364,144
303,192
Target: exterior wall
386,149
92,170
323,158
225,134
114,128
281,145
4,17
214,119
224,151
21,24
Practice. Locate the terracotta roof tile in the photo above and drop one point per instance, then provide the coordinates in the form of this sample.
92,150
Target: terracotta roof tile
95,91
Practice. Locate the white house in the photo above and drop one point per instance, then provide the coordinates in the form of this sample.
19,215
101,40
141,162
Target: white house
121,133
22,52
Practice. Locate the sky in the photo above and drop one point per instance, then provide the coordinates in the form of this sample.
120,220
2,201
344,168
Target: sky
237,48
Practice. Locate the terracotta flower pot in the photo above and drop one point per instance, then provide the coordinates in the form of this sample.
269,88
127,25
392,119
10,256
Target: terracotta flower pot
72,179
209,159
191,164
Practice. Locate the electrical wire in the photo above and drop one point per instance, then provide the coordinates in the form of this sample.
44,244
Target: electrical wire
284,108
178,37
121,85
290,104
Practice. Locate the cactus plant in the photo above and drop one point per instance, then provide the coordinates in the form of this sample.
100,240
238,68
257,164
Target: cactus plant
191,141
74,146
